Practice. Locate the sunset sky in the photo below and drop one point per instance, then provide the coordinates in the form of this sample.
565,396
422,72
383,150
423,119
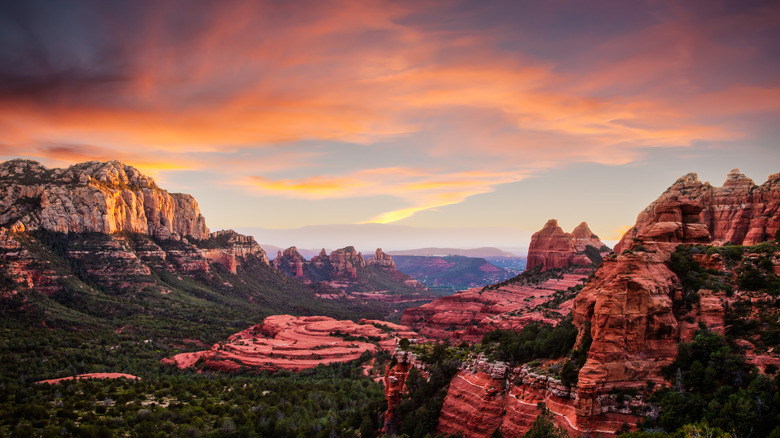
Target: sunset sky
455,122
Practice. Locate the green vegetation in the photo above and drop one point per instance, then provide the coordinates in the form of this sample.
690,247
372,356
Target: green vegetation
328,401
534,341
101,314
544,427
712,384
418,413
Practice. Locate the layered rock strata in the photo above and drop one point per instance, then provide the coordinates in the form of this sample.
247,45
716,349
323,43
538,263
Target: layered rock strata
739,212
469,314
109,223
296,343
488,396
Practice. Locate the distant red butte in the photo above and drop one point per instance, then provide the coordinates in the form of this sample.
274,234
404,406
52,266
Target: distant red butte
295,343
552,248
91,376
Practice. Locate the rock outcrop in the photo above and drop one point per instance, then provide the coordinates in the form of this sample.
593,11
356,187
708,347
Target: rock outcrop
552,248
296,343
95,197
469,314
396,372
738,212
112,224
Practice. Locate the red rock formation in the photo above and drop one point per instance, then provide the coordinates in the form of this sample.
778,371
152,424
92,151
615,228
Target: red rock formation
295,343
345,262
628,306
396,372
234,249
739,212
347,271
552,248
381,259
486,396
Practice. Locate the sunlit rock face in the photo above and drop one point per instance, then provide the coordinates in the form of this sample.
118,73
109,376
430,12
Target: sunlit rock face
738,212
95,197
115,224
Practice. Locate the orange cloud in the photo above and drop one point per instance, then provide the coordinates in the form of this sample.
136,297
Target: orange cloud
423,189
473,109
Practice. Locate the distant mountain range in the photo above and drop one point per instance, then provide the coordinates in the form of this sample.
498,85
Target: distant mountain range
473,252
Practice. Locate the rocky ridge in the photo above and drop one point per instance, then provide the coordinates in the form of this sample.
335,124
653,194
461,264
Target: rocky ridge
346,270
635,308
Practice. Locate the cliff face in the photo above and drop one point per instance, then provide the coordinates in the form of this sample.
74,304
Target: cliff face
552,248
233,249
635,308
94,197
629,306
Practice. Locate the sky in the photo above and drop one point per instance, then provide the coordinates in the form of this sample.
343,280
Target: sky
393,123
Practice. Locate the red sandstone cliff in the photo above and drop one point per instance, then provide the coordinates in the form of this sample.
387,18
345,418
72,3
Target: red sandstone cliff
552,248
738,212
629,307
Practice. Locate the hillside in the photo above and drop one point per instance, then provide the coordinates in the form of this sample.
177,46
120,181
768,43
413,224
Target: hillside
450,273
